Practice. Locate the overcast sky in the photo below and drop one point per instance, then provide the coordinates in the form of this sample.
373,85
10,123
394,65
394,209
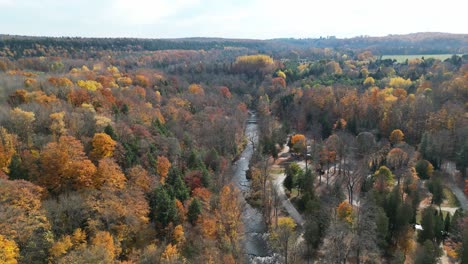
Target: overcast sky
259,19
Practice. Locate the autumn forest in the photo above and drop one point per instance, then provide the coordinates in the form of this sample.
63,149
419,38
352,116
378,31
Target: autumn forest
234,151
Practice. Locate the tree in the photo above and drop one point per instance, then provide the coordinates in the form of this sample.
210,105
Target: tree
396,136
164,210
17,170
428,225
436,188
369,82
9,251
365,237
7,149
23,220
64,166
228,214
103,146
177,187
194,211
283,234
293,172
428,254
109,175
345,212
162,168
424,169
462,160
298,143
58,124
383,179
170,254
397,159
23,124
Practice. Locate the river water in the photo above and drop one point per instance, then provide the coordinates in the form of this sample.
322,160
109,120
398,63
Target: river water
255,240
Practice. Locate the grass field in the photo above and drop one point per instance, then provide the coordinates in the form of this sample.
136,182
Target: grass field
450,198
403,58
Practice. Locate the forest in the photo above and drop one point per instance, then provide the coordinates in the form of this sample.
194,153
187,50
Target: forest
125,150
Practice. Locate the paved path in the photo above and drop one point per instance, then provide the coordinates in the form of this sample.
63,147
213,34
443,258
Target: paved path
278,180
451,169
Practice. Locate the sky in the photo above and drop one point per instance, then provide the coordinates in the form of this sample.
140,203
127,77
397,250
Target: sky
254,19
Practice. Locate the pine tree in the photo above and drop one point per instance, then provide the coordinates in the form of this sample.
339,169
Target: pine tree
194,211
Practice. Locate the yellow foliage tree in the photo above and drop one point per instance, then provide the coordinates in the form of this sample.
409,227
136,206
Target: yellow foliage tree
398,82
9,251
124,81
58,124
89,85
228,215
369,82
104,240
283,233
103,146
170,254
178,235
345,212
7,149
61,247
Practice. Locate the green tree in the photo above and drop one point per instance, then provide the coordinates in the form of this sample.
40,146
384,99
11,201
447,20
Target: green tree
292,172
428,225
194,211
424,169
428,254
163,207
17,170
436,188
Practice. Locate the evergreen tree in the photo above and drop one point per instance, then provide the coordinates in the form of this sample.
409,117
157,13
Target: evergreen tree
447,223
194,211
428,254
17,170
163,207
427,223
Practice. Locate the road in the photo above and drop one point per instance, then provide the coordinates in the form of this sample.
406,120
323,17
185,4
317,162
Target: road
450,168
278,179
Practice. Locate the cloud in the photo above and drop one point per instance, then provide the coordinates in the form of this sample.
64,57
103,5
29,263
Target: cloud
141,12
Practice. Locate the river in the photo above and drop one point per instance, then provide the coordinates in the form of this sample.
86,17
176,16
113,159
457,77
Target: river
255,240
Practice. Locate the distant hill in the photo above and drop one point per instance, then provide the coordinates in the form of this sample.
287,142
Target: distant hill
417,43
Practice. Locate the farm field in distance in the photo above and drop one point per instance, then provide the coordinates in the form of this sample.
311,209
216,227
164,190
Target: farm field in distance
403,58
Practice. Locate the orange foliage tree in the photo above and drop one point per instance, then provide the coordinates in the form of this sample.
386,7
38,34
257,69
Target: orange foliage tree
196,89
162,168
109,175
298,142
64,166
345,211
396,136
22,218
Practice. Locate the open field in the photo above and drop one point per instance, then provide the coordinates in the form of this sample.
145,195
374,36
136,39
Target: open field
403,58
